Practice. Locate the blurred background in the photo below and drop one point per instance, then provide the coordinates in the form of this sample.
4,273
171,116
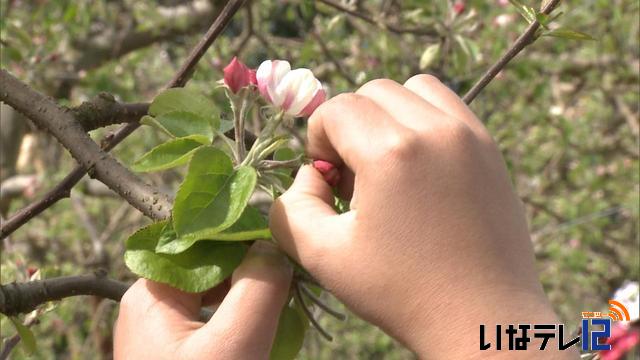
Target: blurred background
564,112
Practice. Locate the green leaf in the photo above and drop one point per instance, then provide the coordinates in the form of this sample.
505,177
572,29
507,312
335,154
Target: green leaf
183,123
569,34
251,226
201,267
527,12
543,19
170,154
429,55
290,334
213,194
181,99
26,336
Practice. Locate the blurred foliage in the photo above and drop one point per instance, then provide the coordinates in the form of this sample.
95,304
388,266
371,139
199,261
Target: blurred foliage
565,114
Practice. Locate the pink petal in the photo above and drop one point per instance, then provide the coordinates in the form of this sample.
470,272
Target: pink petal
318,98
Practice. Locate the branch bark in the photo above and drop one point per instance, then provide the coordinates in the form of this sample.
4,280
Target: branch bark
20,298
60,122
63,189
528,37
104,110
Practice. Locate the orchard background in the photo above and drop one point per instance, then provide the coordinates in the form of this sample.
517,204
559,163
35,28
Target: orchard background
564,112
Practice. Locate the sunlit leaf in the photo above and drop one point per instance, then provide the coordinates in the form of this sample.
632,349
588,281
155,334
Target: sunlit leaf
201,267
568,34
181,99
526,11
251,226
26,336
182,123
212,196
170,154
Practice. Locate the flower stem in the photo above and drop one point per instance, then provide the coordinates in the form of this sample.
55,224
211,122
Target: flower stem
239,114
264,140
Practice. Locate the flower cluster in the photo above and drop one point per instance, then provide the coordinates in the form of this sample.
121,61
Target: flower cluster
296,92
292,93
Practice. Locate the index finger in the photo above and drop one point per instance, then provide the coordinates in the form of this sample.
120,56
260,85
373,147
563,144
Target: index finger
351,129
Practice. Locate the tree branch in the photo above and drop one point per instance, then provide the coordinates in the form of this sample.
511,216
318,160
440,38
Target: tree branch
63,189
20,298
113,44
104,110
60,122
528,37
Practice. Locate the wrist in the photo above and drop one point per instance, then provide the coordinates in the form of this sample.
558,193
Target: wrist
450,326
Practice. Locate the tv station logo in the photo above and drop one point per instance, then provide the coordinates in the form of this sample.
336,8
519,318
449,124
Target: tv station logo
595,330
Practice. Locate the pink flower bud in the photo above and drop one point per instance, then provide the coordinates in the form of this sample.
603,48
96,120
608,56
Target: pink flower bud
31,270
459,7
329,172
237,75
297,91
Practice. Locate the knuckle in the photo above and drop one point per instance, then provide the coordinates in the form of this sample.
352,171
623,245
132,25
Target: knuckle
402,147
453,134
460,133
422,79
376,84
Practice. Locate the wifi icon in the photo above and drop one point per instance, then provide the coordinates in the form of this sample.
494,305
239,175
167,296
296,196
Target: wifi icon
618,312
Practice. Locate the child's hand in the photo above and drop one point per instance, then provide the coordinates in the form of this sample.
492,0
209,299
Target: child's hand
157,321
436,242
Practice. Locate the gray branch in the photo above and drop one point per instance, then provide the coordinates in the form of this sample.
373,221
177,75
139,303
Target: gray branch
61,123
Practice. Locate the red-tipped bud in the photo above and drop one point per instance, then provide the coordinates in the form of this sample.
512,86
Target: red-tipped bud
459,7
328,170
237,75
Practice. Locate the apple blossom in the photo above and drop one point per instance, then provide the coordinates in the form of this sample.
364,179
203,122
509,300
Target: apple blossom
297,91
237,75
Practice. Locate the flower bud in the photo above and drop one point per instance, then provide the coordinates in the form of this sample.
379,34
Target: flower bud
459,7
297,91
237,75
329,172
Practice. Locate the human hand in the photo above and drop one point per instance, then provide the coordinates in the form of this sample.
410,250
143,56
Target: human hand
157,321
436,241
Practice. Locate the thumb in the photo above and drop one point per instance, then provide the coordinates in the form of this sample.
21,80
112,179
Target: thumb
303,219
247,319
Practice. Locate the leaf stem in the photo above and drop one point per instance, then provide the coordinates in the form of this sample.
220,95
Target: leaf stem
298,296
338,315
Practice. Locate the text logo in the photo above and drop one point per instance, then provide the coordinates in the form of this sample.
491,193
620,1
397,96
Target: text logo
615,314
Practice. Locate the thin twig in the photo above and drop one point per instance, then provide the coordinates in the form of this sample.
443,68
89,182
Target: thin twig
316,300
298,296
62,190
528,37
325,50
384,25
